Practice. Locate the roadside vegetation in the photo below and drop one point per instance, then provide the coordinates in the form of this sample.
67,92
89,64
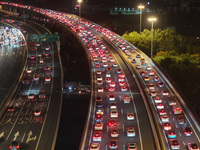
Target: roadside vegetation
178,55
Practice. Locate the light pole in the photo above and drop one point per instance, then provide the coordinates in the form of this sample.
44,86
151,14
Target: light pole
140,7
79,1
152,20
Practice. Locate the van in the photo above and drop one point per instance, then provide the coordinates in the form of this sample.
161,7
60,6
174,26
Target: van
41,61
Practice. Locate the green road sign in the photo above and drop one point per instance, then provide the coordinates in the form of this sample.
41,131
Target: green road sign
43,37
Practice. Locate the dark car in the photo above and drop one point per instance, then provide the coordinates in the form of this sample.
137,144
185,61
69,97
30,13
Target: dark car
14,146
113,144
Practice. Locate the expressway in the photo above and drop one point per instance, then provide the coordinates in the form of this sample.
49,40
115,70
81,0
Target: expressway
176,124
38,98
178,129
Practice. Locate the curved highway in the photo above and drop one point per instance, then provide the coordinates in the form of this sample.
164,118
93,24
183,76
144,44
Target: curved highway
37,101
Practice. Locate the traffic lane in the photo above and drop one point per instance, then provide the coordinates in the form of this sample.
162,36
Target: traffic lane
144,122
183,140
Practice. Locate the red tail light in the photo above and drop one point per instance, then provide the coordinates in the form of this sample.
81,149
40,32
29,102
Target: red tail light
17,146
11,147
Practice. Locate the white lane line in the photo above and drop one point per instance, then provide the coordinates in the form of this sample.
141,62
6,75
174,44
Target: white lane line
122,111
183,143
176,126
107,128
23,137
106,147
123,127
123,147
180,134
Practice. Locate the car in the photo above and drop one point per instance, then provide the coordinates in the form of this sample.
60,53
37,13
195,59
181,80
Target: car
109,68
151,73
37,112
108,80
160,84
99,111
123,88
113,113
187,131
164,118
174,144
159,106
132,146
181,119
98,118
31,97
98,72
192,146
99,82
11,109
97,136
138,67
142,73
167,126
47,48
105,65
110,88
112,60
97,66
94,146
162,112
130,132
115,65
151,86
153,93
99,79
100,89
46,54
37,44
98,126
114,133
99,104
47,79
157,99
33,49
29,71
14,145
36,78
110,56
138,56
126,98
113,144
47,68
171,134
121,79
113,105
112,123
99,98
164,92
32,57
156,78
146,78
143,63
112,84
121,75
148,68
111,97
130,116
133,61
119,70
142,60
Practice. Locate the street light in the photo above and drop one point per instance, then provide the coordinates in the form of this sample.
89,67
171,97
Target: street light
140,7
79,1
152,19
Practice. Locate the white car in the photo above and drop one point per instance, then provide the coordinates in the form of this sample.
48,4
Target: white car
99,78
100,89
113,113
148,68
157,100
130,132
193,146
98,126
111,97
160,106
164,118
